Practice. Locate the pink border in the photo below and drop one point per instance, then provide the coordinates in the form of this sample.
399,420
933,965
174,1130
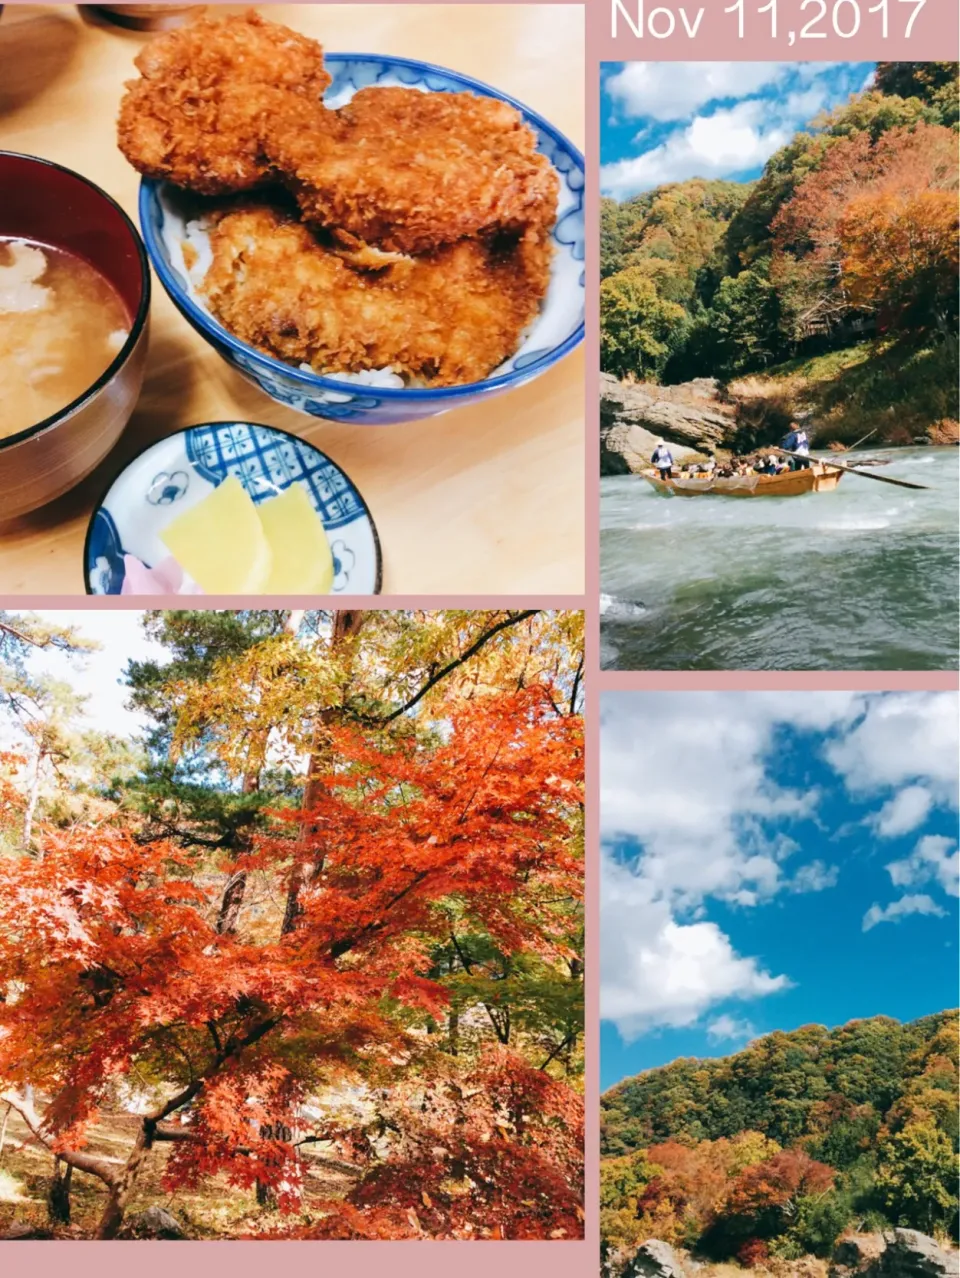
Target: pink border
938,33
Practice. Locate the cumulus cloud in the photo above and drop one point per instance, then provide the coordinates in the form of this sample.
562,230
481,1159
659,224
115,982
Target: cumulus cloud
728,1029
897,910
730,141
685,776
903,739
686,803
720,119
907,809
935,859
675,90
656,971
691,812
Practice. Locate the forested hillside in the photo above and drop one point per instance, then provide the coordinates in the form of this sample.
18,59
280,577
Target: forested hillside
774,1151
847,244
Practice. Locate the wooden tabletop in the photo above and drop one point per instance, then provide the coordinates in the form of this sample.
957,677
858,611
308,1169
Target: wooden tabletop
483,500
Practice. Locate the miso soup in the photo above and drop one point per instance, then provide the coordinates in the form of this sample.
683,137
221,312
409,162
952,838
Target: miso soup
61,324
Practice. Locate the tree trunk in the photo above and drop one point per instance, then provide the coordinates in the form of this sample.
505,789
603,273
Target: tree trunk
346,624
123,1186
58,1196
32,799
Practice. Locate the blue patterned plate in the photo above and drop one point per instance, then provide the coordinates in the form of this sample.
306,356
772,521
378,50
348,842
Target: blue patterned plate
179,471
164,217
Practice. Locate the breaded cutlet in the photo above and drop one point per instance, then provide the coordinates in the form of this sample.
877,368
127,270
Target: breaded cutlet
410,171
443,319
208,95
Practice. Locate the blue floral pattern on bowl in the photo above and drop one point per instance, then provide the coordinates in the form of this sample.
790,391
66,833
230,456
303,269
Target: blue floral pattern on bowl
556,332
182,469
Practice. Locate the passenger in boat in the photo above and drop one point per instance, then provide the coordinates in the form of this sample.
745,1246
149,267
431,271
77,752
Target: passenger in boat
798,442
770,465
663,460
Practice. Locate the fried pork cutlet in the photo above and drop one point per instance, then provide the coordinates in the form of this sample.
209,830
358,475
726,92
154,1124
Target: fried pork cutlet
208,94
410,171
440,320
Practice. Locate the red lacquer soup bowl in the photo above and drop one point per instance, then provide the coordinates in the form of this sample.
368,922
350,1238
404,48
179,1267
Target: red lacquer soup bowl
51,205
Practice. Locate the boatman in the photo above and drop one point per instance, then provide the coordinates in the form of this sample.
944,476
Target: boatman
663,460
798,442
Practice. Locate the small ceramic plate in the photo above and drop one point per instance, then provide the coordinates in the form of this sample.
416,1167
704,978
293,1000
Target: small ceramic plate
179,471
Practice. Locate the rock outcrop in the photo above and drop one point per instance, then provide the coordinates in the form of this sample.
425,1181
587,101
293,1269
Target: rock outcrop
905,1253
655,1259
155,1222
910,1254
634,417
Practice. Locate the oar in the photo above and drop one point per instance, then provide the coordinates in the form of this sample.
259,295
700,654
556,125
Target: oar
880,479
861,441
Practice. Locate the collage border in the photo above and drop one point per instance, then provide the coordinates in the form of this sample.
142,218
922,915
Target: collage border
561,1259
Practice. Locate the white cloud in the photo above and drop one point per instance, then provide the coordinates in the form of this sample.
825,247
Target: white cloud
730,141
904,812
934,859
903,738
721,119
675,90
897,910
815,876
688,790
728,1029
655,971
684,776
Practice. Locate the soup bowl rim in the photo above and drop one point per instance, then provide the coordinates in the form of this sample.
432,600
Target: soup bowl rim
137,324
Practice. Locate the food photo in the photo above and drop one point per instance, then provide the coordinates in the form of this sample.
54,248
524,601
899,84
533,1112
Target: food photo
356,272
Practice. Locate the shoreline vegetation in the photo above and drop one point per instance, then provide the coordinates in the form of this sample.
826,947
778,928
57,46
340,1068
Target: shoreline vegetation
772,1159
825,291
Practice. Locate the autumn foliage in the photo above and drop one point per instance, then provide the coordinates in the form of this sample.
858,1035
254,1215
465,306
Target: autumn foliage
328,1008
770,1153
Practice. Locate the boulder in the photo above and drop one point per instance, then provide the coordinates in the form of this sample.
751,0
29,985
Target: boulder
655,1259
634,417
155,1222
855,1254
904,1253
910,1254
24,1233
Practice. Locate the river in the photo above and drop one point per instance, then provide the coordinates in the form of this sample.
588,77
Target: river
862,578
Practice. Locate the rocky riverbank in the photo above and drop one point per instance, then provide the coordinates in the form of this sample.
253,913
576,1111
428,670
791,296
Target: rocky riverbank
705,417
902,1253
633,416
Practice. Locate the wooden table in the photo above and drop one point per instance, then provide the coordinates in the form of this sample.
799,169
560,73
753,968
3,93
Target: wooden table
483,500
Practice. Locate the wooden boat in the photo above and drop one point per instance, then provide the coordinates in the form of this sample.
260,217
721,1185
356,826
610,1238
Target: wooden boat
791,483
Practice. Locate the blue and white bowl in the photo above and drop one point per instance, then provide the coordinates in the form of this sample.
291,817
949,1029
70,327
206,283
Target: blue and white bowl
179,471
557,330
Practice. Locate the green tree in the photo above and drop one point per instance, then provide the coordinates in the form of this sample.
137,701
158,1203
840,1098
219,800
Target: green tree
917,1177
639,330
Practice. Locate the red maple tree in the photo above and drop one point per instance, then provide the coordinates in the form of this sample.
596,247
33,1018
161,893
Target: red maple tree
114,962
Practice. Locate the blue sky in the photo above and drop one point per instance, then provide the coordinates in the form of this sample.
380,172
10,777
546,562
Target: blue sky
771,860
669,121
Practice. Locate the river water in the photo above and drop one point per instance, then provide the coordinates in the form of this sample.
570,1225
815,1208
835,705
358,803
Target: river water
862,578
